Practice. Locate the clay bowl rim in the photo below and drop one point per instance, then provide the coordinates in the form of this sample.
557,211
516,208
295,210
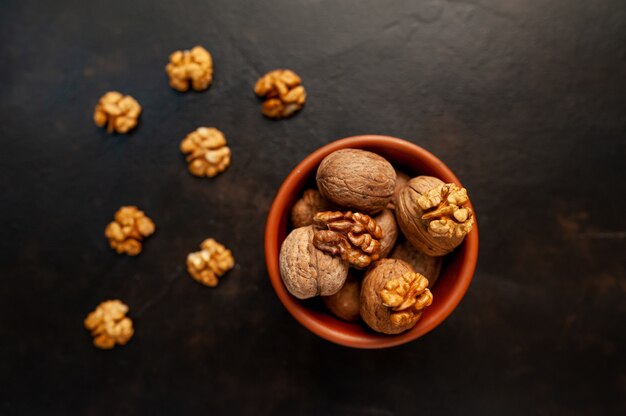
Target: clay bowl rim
294,183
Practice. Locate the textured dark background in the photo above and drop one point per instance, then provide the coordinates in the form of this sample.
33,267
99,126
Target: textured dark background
525,101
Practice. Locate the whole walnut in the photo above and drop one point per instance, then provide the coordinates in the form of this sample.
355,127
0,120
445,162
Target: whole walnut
306,207
387,222
421,263
356,179
345,304
307,271
393,297
433,215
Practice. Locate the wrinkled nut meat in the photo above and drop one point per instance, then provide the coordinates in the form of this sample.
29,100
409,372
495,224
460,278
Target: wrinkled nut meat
421,263
407,296
128,230
345,304
283,92
120,113
357,179
353,236
190,68
432,215
210,263
109,325
389,226
306,207
307,271
393,297
207,152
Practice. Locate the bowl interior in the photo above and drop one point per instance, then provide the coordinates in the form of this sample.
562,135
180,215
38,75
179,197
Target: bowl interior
457,270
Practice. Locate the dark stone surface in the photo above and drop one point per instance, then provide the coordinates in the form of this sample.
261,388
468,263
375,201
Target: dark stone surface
525,101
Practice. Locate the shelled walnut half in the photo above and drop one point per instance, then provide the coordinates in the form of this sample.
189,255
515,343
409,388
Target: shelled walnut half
353,236
109,325
210,263
128,230
119,112
283,91
207,152
190,68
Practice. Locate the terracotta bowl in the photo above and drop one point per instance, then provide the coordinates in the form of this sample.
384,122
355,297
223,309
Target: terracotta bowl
456,274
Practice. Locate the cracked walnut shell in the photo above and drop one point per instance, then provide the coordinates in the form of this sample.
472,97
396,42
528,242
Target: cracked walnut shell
210,263
109,325
128,230
207,152
356,179
190,68
120,113
283,92
433,216
353,236
393,297
307,271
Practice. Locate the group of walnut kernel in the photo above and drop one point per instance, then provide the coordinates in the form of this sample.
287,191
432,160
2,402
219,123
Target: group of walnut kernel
366,216
205,148
108,324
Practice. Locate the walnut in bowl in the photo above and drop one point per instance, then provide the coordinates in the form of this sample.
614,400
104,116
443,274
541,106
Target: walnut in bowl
456,272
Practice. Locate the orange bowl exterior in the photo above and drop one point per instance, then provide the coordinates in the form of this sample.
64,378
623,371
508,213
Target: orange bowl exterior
456,274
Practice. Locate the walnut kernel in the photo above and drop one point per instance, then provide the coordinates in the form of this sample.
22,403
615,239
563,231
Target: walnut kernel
356,179
307,271
210,263
207,152
120,113
109,325
190,68
128,230
408,296
283,92
353,236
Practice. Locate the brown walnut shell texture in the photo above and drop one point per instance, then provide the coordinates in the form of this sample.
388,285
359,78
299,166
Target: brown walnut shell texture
306,207
387,222
415,229
346,303
421,263
307,271
401,181
375,314
356,179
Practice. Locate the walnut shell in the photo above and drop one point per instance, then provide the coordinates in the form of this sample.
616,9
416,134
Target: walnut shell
376,315
307,271
345,304
387,222
306,207
401,181
414,227
360,180
421,263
